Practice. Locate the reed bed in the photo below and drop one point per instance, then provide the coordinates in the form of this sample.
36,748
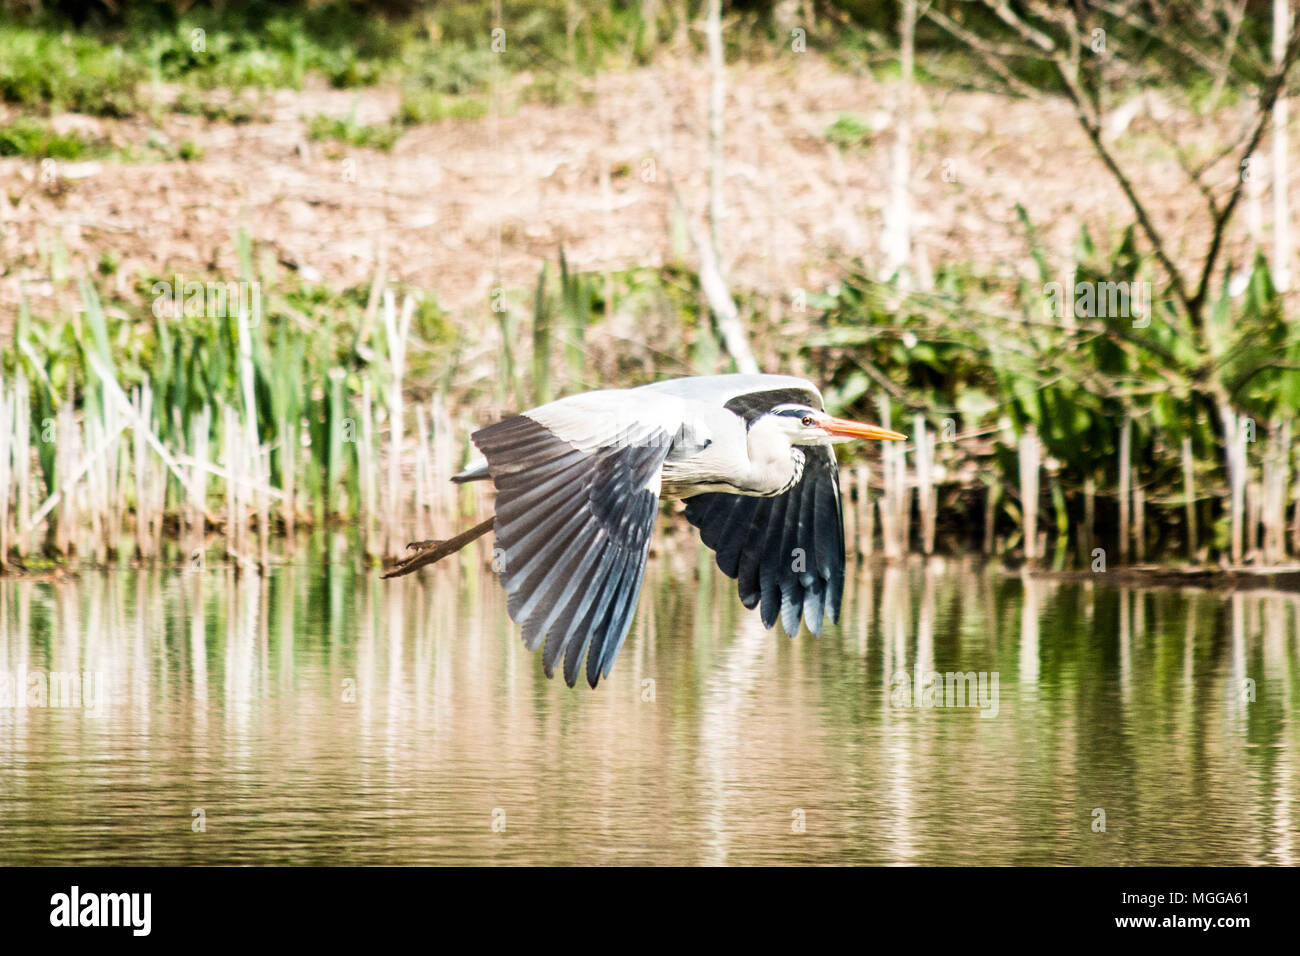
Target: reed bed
111,494
178,462
233,433
232,420
899,513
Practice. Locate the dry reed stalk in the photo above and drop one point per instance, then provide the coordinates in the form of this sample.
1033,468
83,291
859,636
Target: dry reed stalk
1139,522
926,493
117,461
252,500
1088,533
22,465
1254,510
992,493
140,452
94,487
1236,463
893,479
445,464
866,511
1125,446
197,492
422,524
233,464
888,509
366,479
69,438
155,503
289,476
903,500
1031,454
396,332
1295,512
8,451
1189,498
262,460
850,517
101,489
1273,516
117,473
891,517
161,482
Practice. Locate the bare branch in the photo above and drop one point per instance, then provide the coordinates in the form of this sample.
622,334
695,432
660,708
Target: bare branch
988,52
1031,35
1268,96
1086,112
1120,12
1221,77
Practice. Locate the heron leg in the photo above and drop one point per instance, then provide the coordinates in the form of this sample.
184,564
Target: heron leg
427,552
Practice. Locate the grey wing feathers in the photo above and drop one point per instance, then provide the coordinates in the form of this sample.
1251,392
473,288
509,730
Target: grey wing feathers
785,552
573,525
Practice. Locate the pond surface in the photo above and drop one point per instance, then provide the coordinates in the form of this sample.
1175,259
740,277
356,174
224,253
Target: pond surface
321,715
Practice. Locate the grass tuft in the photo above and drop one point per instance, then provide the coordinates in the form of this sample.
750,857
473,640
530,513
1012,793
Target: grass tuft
30,137
352,133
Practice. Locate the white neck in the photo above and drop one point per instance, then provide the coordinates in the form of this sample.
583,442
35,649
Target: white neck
774,464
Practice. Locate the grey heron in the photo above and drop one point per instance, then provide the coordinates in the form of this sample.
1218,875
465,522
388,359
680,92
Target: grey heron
578,484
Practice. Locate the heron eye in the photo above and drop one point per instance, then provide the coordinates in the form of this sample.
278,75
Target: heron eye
807,420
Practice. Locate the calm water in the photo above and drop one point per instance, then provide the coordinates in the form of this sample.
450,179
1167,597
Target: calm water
321,715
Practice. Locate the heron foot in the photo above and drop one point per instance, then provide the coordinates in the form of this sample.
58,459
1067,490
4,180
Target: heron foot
422,545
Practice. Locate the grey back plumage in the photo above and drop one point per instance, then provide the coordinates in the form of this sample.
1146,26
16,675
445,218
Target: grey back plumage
753,394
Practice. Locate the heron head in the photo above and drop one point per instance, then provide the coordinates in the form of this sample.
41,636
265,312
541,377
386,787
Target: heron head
805,425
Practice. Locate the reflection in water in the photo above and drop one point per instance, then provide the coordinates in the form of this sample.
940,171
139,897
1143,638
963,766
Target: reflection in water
321,715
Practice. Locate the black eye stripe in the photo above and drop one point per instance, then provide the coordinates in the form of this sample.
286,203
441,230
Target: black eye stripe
795,411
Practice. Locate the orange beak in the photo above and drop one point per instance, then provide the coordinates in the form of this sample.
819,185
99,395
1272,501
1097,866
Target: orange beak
843,428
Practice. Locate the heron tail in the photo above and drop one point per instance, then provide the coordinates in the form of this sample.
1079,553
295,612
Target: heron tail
427,552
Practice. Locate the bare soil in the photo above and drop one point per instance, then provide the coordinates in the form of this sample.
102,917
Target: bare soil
460,206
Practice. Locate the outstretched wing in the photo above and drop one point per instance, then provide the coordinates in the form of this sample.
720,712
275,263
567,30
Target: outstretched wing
785,552
576,503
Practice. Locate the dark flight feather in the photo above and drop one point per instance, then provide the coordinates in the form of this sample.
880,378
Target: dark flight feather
785,552
573,528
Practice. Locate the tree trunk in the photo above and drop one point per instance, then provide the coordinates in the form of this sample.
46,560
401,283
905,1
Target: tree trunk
897,238
712,271
1281,212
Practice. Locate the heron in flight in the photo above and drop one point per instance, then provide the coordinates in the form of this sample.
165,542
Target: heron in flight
578,485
